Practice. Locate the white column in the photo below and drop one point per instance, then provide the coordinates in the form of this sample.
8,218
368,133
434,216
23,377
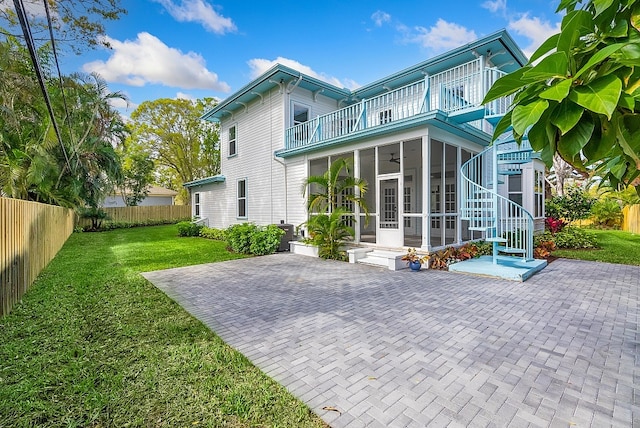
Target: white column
426,191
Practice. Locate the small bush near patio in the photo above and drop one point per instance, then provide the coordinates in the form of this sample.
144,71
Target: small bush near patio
248,238
213,233
94,344
569,237
188,228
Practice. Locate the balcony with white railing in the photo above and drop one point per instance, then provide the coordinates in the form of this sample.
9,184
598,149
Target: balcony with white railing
457,92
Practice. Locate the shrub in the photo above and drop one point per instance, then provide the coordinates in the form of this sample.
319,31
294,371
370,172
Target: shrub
96,215
543,249
247,238
554,225
213,233
187,228
266,240
607,213
329,233
239,237
569,237
574,205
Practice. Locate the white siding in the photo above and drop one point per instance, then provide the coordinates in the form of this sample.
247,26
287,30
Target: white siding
296,174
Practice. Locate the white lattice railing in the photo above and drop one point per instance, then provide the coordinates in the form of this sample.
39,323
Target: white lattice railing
454,90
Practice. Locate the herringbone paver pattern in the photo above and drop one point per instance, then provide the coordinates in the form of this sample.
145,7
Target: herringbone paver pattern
406,349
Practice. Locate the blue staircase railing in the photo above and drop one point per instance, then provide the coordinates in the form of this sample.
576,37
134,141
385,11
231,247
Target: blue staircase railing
506,224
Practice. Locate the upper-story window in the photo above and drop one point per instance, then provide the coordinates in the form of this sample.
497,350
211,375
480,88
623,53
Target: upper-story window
300,114
233,144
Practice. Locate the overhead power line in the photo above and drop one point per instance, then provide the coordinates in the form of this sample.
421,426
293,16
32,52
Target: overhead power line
26,30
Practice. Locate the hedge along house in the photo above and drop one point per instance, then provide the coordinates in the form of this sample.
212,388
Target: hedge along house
411,135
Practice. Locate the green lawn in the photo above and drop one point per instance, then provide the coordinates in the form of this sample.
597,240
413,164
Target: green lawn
616,246
93,344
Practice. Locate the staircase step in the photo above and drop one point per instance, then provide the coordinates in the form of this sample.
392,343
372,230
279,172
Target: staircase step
496,239
479,200
511,250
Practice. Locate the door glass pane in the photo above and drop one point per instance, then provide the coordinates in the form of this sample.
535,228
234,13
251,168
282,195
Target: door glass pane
389,204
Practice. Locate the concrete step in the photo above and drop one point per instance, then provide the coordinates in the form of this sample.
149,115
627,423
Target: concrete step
392,260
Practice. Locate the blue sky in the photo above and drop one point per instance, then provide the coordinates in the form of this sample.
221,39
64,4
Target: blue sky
198,48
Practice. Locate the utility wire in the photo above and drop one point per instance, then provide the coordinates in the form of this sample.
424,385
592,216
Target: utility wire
55,57
26,30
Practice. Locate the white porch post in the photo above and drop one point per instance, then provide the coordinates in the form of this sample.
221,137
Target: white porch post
356,209
426,192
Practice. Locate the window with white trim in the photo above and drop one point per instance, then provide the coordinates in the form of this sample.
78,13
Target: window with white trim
242,198
196,204
233,145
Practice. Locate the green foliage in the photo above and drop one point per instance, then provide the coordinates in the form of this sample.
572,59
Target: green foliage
96,215
607,213
79,170
188,228
329,232
335,188
183,146
579,95
113,225
574,205
239,237
266,240
569,237
137,170
247,238
213,233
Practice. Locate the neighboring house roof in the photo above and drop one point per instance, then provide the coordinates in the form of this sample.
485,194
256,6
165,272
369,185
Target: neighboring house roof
213,179
152,191
499,46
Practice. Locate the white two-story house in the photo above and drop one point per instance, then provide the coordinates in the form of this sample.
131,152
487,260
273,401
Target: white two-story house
409,135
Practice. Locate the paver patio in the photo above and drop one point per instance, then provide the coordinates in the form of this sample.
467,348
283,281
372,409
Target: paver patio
407,349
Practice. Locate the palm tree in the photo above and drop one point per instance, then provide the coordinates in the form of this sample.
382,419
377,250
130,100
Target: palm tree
335,188
330,221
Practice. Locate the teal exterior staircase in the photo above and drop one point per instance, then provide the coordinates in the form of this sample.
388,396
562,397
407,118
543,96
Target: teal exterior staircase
504,223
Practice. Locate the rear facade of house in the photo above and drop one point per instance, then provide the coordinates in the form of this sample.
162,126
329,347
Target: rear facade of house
411,136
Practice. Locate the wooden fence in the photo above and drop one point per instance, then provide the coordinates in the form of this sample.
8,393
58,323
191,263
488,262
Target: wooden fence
144,213
631,222
31,234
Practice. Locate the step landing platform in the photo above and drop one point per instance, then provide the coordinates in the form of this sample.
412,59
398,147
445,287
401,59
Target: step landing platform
511,268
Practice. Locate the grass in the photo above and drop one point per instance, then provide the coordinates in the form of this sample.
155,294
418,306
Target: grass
616,246
93,344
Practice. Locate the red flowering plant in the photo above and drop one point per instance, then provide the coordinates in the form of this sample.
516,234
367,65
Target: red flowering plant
554,225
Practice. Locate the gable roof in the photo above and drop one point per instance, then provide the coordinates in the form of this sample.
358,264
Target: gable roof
278,75
499,46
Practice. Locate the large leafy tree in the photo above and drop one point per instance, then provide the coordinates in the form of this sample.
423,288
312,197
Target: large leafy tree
183,146
579,95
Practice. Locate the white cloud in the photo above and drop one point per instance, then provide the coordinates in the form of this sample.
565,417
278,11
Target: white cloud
259,66
495,6
379,17
199,11
442,36
183,96
147,60
119,103
534,29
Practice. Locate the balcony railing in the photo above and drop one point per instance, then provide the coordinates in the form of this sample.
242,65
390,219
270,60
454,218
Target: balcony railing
453,91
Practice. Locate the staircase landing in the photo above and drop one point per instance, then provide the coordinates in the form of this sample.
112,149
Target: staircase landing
511,268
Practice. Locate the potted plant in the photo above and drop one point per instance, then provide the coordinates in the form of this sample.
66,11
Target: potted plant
414,260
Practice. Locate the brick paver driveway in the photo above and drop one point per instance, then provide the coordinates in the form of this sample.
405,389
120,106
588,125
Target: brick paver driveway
400,349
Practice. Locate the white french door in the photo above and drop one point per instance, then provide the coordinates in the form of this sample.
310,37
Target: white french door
390,228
